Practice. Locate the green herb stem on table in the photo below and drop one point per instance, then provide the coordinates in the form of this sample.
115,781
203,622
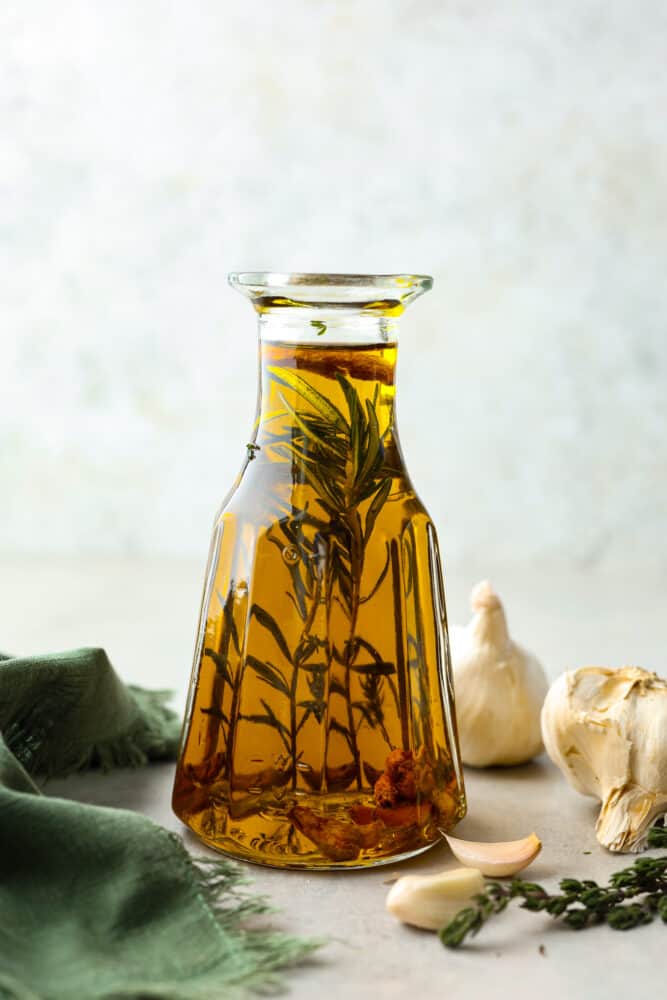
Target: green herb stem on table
633,896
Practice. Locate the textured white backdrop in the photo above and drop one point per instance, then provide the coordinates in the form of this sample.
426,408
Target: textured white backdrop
516,150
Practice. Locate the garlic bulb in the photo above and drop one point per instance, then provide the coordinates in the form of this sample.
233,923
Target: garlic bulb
430,901
499,688
606,729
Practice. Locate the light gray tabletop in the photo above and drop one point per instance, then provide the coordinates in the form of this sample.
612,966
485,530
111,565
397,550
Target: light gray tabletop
144,614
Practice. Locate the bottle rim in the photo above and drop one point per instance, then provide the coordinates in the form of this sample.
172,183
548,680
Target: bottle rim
387,294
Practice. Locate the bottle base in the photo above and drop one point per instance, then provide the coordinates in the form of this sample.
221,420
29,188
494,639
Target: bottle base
236,852
348,830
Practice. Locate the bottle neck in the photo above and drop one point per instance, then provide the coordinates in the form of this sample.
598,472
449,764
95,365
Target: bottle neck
332,384
326,326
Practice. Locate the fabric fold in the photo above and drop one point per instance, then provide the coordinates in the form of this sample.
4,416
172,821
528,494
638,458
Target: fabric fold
98,902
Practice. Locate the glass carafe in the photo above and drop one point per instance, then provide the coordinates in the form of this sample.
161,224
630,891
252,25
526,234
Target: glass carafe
320,729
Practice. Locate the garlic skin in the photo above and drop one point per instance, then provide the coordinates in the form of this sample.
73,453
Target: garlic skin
430,901
606,729
499,688
496,860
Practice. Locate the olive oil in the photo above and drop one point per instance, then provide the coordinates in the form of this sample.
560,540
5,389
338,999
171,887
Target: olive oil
319,731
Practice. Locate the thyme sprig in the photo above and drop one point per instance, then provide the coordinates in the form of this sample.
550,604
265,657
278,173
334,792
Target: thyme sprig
633,896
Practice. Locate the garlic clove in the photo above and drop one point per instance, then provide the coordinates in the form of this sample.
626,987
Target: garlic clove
496,860
430,901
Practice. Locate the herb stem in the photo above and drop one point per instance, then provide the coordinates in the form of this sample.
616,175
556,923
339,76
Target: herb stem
357,561
632,897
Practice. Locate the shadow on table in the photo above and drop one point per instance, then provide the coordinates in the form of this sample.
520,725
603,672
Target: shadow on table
144,789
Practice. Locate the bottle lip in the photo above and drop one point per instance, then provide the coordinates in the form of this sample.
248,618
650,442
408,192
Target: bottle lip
386,294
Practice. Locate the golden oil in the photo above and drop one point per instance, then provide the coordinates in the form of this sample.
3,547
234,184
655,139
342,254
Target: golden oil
320,729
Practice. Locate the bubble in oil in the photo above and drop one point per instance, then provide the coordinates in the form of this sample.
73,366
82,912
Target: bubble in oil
291,555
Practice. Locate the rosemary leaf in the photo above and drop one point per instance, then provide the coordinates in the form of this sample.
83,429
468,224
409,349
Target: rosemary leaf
269,674
377,503
221,664
318,402
268,621
331,445
377,669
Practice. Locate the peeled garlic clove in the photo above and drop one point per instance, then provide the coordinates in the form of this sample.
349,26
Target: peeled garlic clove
496,860
430,901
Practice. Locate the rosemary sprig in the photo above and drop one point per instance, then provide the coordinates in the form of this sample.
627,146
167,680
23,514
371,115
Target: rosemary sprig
633,896
340,454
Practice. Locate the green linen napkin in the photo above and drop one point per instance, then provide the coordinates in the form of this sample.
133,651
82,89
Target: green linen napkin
104,903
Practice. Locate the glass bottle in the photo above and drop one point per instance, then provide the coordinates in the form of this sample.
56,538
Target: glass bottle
320,729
